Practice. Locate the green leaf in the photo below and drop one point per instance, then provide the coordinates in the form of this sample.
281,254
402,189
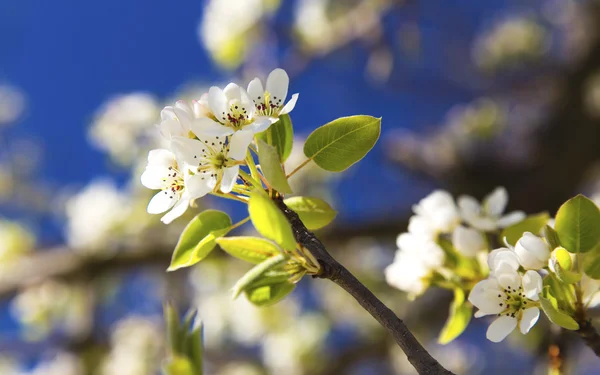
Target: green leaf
314,212
281,136
591,264
195,349
270,165
532,223
178,366
556,316
267,295
566,276
578,224
249,249
256,272
339,144
270,221
551,237
460,316
564,293
563,257
198,238
173,328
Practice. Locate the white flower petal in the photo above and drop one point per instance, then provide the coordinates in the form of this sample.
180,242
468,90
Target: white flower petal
511,218
532,285
467,241
217,101
198,185
469,207
259,125
204,126
161,158
152,178
488,297
495,203
289,105
162,201
507,277
229,178
277,85
176,212
528,319
238,145
500,328
170,128
503,255
247,103
232,92
256,90
167,113
188,150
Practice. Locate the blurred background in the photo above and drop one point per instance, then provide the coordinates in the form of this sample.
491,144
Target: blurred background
473,94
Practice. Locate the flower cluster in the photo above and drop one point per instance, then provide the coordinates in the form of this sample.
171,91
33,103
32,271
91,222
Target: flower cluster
209,140
441,230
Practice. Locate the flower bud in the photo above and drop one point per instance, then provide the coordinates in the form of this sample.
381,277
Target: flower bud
532,251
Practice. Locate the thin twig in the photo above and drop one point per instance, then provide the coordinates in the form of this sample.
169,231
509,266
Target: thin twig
422,361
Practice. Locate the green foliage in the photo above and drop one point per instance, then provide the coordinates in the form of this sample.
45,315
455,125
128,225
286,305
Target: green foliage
257,272
270,221
551,237
185,343
564,294
577,223
339,144
460,316
562,266
591,264
281,136
550,307
250,249
270,165
269,294
532,223
198,238
315,213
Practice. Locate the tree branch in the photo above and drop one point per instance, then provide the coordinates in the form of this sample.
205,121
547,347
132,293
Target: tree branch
422,361
589,335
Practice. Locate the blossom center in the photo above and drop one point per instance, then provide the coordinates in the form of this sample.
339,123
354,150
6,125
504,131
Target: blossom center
514,302
237,116
268,106
173,183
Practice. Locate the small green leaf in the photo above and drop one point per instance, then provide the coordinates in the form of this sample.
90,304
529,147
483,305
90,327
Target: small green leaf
195,350
198,238
270,221
267,295
563,257
567,277
339,144
178,365
556,316
564,293
270,165
281,136
173,328
249,249
591,264
460,316
551,237
577,223
256,272
532,223
314,212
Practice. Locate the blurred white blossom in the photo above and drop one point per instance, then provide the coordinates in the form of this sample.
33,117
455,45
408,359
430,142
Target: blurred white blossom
94,216
122,124
136,348
488,216
12,104
468,241
61,364
434,214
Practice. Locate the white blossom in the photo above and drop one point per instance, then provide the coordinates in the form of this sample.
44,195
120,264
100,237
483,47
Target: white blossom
512,297
214,161
414,263
61,364
533,252
165,172
177,120
270,102
468,241
231,110
488,215
94,214
434,214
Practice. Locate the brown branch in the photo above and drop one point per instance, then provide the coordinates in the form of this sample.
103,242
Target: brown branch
589,335
422,361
